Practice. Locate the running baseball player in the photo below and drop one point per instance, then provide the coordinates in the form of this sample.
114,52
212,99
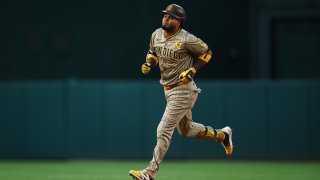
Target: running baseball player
173,48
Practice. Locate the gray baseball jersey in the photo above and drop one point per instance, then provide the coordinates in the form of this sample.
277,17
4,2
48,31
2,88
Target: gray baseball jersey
175,53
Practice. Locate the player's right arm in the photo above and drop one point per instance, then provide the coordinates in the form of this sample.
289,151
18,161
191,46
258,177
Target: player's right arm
151,59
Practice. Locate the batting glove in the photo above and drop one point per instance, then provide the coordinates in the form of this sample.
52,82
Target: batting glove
187,75
145,68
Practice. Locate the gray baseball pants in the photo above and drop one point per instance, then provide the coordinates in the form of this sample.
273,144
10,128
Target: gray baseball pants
180,101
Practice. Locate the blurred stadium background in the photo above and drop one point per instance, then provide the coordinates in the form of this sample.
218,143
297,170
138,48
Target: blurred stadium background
71,86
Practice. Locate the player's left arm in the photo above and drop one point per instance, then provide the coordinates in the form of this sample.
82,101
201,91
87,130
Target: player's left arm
201,60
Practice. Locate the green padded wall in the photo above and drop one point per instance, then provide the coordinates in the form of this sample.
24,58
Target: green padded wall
45,121
125,120
287,106
314,121
13,131
246,113
118,119
86,120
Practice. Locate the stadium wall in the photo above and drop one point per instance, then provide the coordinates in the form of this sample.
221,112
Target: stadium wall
118,119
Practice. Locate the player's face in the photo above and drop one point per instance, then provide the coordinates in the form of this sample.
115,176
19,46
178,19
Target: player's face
170,23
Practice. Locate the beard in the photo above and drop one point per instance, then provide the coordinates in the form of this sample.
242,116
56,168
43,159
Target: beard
167,28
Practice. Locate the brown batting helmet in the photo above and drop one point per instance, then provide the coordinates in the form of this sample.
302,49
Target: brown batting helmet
175,11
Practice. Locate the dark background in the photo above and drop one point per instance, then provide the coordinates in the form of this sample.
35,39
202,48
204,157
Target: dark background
108,40
71,86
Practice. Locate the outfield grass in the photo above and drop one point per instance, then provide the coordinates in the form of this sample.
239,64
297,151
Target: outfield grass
170,170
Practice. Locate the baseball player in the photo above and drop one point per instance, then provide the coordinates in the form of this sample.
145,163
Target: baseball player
173,48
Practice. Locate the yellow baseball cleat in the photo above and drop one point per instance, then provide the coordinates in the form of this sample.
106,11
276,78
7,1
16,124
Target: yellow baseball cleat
140,175
227,142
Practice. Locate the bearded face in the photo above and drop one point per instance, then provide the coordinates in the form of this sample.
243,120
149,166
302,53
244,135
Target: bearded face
169,23
168,28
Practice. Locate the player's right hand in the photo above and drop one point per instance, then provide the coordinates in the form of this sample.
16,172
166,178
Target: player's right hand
145,68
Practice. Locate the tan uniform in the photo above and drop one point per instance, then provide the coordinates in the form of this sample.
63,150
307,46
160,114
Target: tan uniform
175,55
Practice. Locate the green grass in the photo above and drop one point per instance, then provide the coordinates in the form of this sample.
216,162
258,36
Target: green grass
170,170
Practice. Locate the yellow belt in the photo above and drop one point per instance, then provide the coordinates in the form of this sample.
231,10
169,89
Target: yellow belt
179,83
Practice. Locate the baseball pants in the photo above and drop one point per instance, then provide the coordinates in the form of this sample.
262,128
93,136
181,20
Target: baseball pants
180,101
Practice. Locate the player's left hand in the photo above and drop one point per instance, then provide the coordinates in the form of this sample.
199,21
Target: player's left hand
187,75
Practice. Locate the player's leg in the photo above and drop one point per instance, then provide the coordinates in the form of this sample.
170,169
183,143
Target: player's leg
164,133
170,120
189,128
224,136
186,126
178,104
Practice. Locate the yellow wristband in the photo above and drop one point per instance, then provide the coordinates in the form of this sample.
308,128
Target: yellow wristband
151,56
